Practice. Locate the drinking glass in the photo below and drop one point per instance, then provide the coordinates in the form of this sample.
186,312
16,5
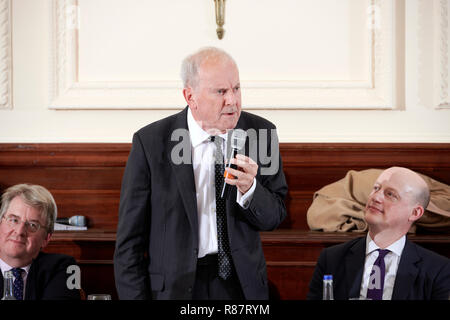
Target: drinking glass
99,296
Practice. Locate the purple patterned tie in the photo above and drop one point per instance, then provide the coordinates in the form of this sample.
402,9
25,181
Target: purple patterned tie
376,279
18,283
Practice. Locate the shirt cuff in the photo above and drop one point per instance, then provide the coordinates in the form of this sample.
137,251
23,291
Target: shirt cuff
244,199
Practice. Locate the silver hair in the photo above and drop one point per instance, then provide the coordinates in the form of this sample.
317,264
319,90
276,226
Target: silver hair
35,196
191,64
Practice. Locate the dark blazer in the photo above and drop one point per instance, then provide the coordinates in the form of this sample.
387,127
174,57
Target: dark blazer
157,234
47,278
421,275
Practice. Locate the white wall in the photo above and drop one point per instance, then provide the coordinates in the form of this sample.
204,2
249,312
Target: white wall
314,68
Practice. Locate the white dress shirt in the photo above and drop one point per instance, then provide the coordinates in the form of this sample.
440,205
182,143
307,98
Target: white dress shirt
391,260
6,267
204,174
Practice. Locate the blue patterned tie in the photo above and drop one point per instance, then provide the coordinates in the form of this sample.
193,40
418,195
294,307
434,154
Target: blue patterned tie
224,256
376,279
18,283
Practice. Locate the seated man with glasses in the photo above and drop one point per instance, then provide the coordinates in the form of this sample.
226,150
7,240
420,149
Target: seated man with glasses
27,216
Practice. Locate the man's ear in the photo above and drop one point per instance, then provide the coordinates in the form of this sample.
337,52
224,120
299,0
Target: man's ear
189,97
46,240
417,213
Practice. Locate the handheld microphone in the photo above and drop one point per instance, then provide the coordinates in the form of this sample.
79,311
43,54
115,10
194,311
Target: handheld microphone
238,138
79,221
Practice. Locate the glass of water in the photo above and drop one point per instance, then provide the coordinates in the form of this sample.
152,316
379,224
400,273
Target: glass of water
99,296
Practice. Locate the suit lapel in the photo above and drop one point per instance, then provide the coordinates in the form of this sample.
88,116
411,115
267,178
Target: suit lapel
184,174
407,272
31,287
354,265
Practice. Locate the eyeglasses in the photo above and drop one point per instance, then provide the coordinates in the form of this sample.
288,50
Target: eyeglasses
31,226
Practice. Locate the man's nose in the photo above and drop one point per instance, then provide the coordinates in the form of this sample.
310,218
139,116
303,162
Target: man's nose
21,228
377,196
230,97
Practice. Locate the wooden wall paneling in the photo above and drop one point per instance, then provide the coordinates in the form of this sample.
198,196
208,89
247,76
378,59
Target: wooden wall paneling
94,252
98,277
86,179
291,257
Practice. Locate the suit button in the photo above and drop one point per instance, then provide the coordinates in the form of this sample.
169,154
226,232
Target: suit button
196,251
190,289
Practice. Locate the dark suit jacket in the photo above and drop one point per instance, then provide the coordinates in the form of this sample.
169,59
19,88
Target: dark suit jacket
157,234
47,278
421,275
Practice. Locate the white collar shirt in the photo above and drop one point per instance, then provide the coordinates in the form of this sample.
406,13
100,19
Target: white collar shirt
204,175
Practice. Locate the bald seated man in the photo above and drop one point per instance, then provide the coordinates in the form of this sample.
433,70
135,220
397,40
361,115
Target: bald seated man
385,265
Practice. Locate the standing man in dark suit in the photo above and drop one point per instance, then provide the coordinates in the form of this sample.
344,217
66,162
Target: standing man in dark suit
176,237
384,264
27,217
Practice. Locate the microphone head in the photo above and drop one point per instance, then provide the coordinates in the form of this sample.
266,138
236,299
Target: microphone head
79,221
238,137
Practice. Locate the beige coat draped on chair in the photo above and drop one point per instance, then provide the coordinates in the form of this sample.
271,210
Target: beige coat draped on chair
339,206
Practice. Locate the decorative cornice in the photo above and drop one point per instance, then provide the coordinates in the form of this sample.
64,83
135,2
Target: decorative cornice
375,92
5,55
64,45
443,89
